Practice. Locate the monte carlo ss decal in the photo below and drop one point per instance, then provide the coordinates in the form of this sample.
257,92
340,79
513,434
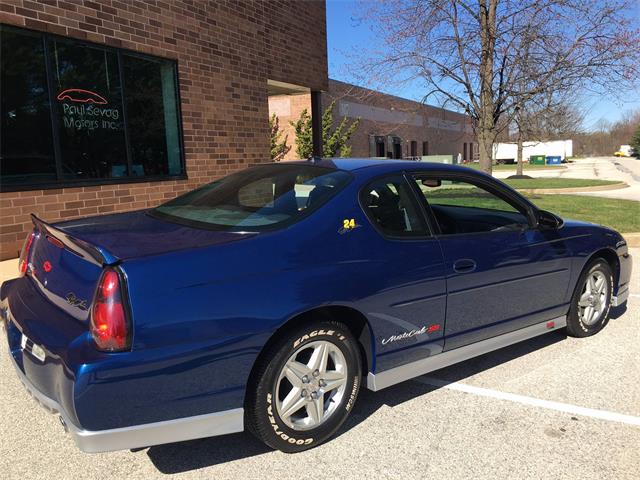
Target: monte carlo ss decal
411,334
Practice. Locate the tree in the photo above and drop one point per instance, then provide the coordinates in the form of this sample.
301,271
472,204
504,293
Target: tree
635,142
334,140
551,117
304,135
492,58
605,137
279,147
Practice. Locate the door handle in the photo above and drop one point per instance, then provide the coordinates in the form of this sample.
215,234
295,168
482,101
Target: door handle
464,265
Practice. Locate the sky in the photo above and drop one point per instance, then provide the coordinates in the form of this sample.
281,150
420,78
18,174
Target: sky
348,38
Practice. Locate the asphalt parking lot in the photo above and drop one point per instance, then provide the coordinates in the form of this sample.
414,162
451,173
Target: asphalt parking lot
553,407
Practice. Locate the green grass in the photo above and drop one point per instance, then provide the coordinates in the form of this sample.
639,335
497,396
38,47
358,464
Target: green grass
622,215
526,183
526,166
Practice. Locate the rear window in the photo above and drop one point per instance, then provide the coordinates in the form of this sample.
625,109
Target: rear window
261,197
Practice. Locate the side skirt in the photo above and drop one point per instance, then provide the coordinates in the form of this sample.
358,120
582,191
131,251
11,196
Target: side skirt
380,380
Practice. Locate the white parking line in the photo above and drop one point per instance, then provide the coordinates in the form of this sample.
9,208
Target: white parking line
534,402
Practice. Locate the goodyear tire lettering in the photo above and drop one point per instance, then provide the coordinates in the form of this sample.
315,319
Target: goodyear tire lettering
354,392
277,429
315,333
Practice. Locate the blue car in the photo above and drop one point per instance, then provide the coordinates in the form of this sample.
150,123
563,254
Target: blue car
267,299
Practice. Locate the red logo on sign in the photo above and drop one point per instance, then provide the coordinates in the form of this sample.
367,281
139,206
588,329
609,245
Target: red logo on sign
81,96
47,266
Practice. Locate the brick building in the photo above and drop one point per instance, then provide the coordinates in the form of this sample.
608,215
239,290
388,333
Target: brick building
111,105
389,126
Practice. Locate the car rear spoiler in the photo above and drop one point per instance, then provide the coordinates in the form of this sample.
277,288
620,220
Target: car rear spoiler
91,253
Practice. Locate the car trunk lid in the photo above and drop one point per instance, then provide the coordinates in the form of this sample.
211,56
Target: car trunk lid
67,259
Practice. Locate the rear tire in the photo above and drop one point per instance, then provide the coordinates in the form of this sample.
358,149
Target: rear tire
589,312
306,387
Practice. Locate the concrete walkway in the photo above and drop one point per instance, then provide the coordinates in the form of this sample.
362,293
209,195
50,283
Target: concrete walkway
8,269
601,168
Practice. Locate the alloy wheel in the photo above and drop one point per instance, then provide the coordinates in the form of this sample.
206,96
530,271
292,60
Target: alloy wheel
311,385
593,298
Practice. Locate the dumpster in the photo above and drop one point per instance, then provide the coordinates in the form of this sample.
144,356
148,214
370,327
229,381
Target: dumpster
554,160
537,159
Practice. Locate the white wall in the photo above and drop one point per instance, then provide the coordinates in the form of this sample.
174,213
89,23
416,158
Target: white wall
558,148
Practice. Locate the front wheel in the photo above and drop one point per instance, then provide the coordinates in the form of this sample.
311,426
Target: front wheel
306,387
591,300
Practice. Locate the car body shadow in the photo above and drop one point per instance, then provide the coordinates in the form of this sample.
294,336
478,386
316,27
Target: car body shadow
195,454
617,312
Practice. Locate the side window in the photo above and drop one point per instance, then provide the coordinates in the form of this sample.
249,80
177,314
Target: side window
389,204
462,207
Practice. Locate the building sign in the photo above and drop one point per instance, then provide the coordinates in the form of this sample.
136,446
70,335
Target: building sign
84,110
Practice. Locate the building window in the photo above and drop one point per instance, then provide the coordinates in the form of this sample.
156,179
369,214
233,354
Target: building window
394,146
425,148
414,148
464,150
377,147
75,113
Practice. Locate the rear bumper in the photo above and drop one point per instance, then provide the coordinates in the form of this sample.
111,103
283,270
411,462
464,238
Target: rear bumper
52,384
139,436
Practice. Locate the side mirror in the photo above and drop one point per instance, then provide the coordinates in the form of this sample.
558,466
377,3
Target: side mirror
431,182
548,221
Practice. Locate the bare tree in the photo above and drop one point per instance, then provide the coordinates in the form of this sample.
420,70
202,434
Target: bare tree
554,116
606,137
491,58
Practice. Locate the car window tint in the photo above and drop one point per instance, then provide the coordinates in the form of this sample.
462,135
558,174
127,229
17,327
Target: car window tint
462,207
389,205
261,196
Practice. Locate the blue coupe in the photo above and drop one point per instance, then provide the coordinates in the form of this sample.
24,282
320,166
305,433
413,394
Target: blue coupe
266,300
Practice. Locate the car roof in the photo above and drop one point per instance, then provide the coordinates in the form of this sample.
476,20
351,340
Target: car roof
354,164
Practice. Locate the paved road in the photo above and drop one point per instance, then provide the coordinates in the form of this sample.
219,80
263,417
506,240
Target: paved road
602,168
486,418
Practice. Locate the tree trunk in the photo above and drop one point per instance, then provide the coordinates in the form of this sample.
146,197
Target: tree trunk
519,155
486,120
485,148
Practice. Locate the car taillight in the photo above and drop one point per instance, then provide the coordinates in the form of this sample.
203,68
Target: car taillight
23,263
110,326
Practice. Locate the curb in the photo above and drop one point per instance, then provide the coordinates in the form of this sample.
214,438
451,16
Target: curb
594,188
632,239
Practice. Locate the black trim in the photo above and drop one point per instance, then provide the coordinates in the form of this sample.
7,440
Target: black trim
125,121
425,209
53,109
316,124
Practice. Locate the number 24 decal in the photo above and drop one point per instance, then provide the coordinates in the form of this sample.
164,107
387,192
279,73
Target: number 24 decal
348,224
